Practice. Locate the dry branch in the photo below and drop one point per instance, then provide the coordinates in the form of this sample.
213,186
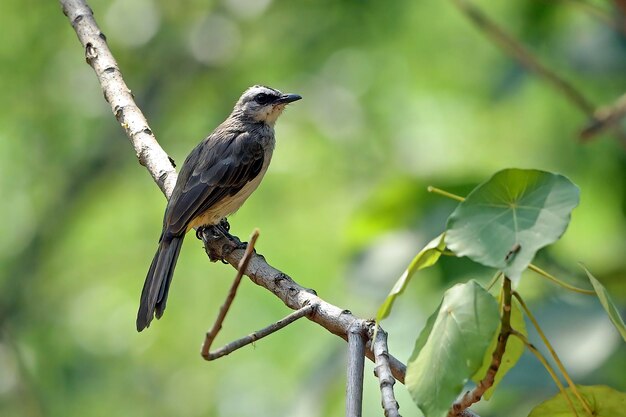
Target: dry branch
514,48
354,386
335,319
605,118
119,96
383,372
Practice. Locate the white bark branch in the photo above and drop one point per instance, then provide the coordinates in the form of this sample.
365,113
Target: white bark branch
158,164
119,96
383,372
356,364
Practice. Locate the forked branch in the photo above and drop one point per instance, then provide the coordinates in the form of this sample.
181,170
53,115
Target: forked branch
150,154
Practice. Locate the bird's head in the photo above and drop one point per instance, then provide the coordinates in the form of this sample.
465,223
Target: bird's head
263,104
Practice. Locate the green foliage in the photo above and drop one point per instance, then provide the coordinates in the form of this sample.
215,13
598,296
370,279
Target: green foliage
508,218
513,351
425,258
502,223
607,304
604,402
451,347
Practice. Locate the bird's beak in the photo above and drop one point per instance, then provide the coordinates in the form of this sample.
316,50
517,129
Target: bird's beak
287,98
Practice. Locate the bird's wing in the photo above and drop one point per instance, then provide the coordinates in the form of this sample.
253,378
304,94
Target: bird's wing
213,170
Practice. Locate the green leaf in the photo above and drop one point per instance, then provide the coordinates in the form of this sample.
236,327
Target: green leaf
451,347
504,221
604,402
607,303
425,258
513,351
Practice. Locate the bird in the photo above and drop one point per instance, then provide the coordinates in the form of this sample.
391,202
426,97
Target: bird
216,178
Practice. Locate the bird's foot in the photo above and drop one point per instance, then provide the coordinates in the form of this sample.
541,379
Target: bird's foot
200,232
219,232
241,245
224,224
214,231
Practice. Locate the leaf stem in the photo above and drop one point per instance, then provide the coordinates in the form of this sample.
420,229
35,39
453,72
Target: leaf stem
494,280
439,191
559,364
557,281
473,396
546,365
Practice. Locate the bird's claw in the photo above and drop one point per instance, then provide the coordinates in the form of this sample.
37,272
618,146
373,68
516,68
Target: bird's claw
224,224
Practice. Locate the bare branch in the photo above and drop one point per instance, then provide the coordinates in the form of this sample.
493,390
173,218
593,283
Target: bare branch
293,295
473,396
510,45
600,120
156,161
259,334
119,96
605,118
383,372
217,326
356,364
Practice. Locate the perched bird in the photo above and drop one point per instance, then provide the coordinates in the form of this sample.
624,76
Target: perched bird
216,178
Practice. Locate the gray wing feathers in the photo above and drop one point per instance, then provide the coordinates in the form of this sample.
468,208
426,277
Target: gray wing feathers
213,170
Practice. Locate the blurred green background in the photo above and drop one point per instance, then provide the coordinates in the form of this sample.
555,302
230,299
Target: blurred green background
397,96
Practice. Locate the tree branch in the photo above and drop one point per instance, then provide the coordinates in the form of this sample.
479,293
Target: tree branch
510,45
354,385
217,326
259,334
383,372
601,119
119,96
293,295
159,165
605,118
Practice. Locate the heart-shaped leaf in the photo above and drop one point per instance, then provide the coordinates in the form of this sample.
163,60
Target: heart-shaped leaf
604,402
504,221
451,347
425,258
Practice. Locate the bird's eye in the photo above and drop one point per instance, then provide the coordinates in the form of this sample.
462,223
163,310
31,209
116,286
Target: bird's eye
263,98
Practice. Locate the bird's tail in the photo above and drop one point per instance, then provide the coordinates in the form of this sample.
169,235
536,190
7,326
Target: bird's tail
157,284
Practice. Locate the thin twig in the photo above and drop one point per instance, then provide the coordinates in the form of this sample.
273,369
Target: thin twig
356,365
259,334
383,372
557,281
334,319
217,326
605,118
556,358
600,120
510,45
473,396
